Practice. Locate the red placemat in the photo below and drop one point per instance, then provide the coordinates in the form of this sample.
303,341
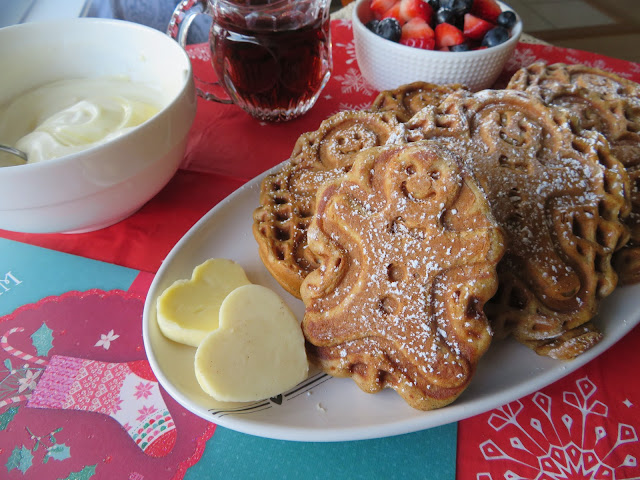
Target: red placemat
584,426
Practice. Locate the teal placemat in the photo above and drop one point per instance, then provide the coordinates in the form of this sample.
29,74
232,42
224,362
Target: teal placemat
430,454
29,273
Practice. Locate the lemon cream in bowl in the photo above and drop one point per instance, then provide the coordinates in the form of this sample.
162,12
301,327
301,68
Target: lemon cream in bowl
75,114
103,109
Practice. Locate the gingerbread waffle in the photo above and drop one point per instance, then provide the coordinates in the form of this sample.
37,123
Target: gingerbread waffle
558,196
406,100
408,250
606,103
287,197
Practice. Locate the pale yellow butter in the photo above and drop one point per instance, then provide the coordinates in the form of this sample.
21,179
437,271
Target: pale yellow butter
188,310
258,350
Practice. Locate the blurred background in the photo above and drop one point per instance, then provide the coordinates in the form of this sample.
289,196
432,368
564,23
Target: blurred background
607,27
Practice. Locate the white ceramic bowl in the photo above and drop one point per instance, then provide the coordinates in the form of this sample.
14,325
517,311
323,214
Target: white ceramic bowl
102,185
387,65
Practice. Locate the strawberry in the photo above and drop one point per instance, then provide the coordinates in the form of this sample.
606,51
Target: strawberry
475,28
379,7
488,10
394,12
417,33
415,9
423,43
447,35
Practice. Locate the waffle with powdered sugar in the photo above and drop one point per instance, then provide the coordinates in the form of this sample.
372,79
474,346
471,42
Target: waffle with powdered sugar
287,197
606,103
407,248
407,100
559,196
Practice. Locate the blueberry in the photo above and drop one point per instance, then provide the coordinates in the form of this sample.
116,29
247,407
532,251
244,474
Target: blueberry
435,4
507,19
372,25
445,15
390,29
461,47
495,36
460,7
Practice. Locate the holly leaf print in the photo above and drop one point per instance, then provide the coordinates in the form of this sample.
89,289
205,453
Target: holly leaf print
42,340
21,458
7,364
7,416
59,451
84,474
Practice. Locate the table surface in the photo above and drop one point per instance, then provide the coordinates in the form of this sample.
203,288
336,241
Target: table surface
71,308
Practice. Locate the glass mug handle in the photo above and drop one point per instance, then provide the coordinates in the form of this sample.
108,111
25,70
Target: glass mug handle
182,18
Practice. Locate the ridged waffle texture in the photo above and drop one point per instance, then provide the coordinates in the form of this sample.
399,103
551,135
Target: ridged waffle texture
559,197
606,103
407,248
407,100
287,197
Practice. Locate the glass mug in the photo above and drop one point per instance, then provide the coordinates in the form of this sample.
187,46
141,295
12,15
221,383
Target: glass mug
272,57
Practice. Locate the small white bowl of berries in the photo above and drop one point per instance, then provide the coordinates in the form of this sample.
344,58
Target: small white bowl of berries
438,41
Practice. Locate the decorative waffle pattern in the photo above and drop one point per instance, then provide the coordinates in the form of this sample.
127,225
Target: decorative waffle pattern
287,197
606,103
559,198
407,100
408,249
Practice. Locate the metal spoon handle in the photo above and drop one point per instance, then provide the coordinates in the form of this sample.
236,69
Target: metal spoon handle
14,151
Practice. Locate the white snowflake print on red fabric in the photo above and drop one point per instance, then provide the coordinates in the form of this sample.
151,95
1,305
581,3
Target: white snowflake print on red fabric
199,52
597,63
546,444
353,106
344,23
522,57
603,65
350,52
353,81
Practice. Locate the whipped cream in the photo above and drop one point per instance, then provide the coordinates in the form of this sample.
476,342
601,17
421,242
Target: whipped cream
69,116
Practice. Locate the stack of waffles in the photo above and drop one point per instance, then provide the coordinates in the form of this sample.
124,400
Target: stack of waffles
419,230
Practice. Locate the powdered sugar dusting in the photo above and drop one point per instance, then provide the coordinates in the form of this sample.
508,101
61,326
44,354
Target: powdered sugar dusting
396,256
547,187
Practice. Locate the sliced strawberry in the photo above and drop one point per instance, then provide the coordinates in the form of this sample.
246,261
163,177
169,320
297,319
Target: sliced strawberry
415,9
475,28
488,10
379,7
417,33
447,35
417,28
423,43
394,12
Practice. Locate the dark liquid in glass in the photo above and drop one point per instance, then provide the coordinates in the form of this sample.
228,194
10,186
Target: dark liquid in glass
267,71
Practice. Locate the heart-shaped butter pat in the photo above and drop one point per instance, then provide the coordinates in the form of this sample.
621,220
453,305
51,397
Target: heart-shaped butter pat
257,352
188,310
